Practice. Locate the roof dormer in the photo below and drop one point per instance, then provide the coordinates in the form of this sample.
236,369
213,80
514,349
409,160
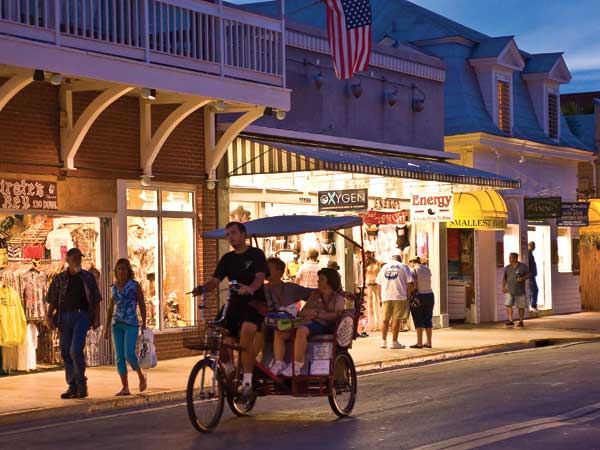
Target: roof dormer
544,73
494,61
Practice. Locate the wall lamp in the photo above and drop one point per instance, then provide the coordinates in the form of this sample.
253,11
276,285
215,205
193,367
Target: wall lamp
418,100
38,75
56,79
522,159
391,96
356,89
220,105
148,94
280,114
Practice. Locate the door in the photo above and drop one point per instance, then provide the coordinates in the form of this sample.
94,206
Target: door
540,234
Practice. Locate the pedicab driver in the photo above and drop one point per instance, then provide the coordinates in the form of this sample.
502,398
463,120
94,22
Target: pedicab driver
247,304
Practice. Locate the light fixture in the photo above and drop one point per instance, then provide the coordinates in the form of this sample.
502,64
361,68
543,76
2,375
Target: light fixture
418,101
496,153
211,185
56,79
318,80
268,111
38,75
356,89
148,94
220,105
391,96
146,180
522,159
280,114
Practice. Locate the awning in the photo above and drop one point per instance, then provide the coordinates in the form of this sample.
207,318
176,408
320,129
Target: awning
290,225
594,216
483,210
251,156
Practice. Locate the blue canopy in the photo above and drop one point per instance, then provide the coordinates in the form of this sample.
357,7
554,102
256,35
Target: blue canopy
290,225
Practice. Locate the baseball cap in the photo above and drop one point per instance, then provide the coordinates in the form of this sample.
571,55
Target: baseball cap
74,252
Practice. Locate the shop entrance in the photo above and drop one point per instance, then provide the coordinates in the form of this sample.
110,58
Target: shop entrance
540,234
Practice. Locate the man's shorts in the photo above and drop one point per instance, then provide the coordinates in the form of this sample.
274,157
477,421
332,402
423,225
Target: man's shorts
520,300
239,312
395,310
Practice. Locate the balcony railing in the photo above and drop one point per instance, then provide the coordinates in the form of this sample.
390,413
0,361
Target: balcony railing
189,34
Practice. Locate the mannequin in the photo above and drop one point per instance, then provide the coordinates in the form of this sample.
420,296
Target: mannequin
372,293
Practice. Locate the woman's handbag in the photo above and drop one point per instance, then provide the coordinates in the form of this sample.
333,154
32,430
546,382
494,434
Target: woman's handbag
415,300
147,356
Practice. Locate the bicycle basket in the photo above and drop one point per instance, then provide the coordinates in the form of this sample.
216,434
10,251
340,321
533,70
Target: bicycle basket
210,340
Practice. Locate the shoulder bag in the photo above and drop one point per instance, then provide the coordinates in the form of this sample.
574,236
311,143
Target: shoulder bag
415,300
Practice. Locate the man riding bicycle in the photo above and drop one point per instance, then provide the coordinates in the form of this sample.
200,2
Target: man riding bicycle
246,269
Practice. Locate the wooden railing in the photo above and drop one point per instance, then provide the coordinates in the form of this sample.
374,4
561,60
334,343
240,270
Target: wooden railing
191,34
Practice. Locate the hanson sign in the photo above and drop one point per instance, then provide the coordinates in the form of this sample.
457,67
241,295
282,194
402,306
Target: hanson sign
344,200
431,207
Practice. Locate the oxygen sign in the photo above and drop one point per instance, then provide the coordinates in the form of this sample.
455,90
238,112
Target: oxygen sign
344,200
431,207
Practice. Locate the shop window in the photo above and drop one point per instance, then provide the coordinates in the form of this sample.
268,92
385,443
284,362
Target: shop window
565,254
511,242
161,247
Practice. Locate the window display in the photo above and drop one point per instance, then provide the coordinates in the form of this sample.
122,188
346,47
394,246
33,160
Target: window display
161,246
563,242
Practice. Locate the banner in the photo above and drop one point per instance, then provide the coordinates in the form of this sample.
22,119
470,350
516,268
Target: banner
431,208
574,214
344,200
385,218
26,194
539,208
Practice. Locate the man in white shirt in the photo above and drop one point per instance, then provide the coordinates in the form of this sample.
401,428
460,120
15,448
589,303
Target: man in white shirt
307,273
397,284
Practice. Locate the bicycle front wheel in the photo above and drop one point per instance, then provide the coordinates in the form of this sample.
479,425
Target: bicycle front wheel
205,395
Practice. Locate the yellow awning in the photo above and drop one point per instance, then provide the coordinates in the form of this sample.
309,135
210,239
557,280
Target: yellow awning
482,210
594,216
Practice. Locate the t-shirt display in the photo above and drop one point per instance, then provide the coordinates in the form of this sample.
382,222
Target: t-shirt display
59,241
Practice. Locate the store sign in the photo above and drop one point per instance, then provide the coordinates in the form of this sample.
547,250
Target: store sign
28,194
385,218
574,214
387,203
431,208
479,223
539,208
344,200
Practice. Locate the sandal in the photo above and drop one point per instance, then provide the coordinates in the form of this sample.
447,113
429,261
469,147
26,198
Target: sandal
416,346
364,334
123,393
144,384
426,345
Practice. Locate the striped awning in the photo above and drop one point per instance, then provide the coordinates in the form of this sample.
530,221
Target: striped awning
252,156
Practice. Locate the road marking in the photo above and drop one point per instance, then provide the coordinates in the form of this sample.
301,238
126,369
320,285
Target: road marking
475,440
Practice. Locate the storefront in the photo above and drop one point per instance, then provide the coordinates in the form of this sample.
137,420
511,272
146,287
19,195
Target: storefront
271,178
40,219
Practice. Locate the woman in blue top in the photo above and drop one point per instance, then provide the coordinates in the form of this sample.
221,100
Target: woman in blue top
122,320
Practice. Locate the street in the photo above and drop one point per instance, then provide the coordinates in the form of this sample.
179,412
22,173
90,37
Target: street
547,398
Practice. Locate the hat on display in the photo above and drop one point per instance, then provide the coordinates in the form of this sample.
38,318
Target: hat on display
74,252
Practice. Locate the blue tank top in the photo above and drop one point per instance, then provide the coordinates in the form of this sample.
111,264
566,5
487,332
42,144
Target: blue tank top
125,302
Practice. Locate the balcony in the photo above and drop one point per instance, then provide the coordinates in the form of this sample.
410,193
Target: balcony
192,35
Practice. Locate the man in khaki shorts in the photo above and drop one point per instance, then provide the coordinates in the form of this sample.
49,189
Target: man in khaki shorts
397,284
513,286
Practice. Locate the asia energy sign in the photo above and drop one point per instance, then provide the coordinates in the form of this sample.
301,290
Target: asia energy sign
28,194
344,200
431,207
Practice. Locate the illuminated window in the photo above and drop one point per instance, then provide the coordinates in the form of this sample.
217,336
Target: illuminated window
503,88
565,254
553,124
161,246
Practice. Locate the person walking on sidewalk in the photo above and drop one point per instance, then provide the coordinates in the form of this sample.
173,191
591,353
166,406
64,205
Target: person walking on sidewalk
123,323
396,281
74,307
513,286
533,287
422,310
307,273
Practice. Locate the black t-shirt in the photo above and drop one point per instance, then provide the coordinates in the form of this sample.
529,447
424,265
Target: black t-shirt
243,267
75,296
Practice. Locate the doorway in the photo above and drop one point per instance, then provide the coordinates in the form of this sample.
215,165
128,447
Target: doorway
540,234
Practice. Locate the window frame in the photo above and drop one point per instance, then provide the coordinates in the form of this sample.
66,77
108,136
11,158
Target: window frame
159,214
503,78
552,93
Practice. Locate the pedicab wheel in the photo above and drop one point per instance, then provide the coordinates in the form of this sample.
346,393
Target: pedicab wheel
343,388
205,396
238,408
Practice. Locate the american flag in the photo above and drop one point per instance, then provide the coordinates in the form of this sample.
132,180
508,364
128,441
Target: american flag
349,30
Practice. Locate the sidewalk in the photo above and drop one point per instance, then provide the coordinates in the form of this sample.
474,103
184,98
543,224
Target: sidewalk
31,397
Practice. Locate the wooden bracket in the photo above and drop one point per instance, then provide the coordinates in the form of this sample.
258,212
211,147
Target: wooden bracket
12,87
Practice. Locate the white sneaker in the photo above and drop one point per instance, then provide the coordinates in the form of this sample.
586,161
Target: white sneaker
287,372
277,367
383,344
397,345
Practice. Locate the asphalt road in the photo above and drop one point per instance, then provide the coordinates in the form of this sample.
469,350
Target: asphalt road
547,398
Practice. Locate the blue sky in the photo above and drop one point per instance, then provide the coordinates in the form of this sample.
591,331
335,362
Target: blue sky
539,26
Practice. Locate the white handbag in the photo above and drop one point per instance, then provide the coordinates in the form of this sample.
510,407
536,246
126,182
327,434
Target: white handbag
147,355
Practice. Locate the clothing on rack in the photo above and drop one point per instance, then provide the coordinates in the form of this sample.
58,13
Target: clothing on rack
59,241
12,318
85,240
27,350
92,346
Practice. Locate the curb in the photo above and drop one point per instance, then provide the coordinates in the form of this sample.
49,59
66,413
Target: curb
86,408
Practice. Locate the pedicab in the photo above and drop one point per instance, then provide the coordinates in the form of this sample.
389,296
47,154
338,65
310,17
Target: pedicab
329,371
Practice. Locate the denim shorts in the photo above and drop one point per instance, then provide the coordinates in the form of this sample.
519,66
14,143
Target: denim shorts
318,328
519,300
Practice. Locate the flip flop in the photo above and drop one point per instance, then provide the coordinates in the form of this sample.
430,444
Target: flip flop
416,346
123,393
426,346
144,384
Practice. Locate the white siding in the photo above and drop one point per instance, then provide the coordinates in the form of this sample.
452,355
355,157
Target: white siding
566,297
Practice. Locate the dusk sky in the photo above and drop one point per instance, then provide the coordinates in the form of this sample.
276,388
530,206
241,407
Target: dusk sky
540,26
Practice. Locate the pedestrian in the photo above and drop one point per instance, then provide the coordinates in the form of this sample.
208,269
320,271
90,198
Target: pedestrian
422,309
74,306
397,285
123,323
307,273
513,286
372,291
533,287
333,265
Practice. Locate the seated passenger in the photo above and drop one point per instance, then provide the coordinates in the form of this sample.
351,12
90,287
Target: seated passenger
321,311
281,295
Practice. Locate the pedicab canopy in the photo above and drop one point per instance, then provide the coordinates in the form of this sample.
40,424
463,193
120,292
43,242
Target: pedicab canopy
291,225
